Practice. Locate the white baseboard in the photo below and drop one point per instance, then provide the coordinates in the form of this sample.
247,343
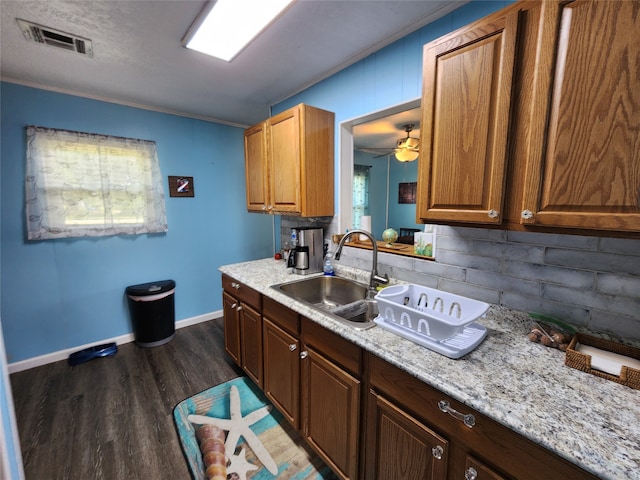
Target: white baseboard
122,339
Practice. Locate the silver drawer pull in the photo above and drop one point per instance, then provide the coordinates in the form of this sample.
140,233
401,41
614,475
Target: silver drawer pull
468,419
292,347
304,354
493,213
234,305
235,285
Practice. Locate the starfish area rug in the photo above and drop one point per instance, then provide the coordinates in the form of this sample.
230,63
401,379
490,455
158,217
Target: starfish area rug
231,431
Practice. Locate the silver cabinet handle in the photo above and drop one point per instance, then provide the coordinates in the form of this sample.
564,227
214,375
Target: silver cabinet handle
493,213
437,452
471,474
292,347
526,214
467,418
239,308
304,354
235,285
234,305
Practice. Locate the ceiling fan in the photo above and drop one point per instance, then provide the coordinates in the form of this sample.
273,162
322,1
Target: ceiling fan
406,149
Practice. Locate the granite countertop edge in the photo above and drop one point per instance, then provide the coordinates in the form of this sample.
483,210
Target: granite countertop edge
590,421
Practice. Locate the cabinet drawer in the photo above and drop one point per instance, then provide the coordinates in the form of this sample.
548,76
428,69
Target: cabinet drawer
338,349
282,316
241,292
509,451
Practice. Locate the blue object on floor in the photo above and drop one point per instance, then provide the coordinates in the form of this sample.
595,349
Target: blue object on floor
82,356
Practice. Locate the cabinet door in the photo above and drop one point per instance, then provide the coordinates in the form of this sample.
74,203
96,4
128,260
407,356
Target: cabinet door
400,447
255,157
284,160
251,342
583,167
230,307
331,410
467,84
282,371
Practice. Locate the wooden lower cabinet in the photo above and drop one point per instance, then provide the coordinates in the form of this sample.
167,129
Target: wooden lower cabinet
311,377
331,410
231,327
251,344
367,419
282,370
400,447
242,308
484,450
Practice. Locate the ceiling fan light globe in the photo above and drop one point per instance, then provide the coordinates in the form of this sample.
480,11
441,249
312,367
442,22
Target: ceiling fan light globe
406,155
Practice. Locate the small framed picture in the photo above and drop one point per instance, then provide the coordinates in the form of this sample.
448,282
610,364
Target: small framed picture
407,192
181,187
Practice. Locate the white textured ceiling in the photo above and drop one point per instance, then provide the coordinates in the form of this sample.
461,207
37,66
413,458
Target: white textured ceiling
138,57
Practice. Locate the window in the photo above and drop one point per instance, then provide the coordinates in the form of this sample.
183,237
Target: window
360,193
82,184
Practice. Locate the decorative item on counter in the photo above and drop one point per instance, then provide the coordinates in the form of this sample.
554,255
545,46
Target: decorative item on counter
605,358
336,237
390,236
211,440
550,332
424,243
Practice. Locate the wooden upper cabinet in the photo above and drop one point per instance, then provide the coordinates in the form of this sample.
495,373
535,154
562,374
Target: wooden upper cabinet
583,164
284,161
255,148
466,100
289,161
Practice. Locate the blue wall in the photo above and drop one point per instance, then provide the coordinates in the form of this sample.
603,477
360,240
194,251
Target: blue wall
385,78
58,294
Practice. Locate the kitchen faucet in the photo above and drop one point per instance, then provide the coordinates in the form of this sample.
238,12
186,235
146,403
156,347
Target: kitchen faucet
375,277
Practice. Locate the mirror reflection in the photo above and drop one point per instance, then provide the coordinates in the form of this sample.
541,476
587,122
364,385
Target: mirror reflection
385,172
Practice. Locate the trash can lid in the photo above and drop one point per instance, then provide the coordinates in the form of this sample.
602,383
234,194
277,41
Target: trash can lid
151,288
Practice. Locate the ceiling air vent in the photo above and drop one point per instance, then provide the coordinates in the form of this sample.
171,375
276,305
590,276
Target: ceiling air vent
55,38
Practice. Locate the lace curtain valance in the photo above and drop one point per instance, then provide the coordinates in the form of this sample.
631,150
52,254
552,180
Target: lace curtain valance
83,184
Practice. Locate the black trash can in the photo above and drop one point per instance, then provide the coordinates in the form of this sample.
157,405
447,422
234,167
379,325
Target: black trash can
152,309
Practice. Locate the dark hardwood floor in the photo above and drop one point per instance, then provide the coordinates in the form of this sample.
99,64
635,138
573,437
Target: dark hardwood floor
112,418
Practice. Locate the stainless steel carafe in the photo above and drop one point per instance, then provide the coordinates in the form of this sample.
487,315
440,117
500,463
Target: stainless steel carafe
307,256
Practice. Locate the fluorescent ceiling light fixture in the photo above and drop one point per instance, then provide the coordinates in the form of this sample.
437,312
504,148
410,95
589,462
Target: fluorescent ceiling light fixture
230,25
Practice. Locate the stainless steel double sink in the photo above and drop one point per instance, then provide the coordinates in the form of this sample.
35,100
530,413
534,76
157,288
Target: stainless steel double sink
342,299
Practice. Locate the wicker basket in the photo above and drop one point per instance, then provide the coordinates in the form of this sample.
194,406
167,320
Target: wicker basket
574,359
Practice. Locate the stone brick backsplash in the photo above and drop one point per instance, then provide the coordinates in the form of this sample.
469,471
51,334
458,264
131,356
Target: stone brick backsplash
592,282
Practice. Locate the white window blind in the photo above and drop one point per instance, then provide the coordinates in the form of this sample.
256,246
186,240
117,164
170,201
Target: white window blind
83,184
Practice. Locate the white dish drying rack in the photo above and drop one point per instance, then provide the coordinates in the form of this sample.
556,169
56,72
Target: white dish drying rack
438,320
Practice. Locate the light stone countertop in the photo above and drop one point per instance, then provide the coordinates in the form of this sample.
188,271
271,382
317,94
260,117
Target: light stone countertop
590,421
